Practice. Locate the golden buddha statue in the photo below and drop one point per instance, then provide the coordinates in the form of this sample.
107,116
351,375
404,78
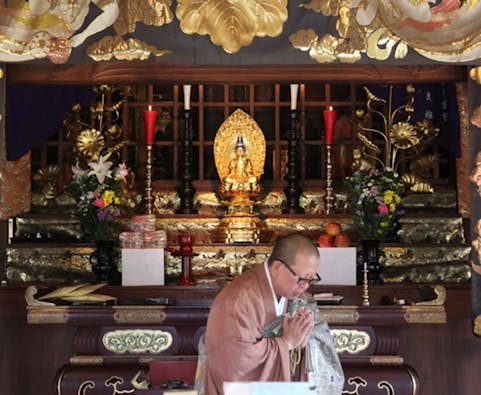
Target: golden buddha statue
239,153
241,177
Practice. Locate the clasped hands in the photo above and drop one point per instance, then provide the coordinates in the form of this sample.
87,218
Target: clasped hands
297,327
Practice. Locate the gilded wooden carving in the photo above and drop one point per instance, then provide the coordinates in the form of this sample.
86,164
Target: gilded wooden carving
232,24
352,341
137,341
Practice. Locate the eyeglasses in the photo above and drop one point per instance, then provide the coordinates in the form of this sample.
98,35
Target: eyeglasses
301,281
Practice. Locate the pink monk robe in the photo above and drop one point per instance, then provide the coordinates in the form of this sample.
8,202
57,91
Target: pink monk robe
234,348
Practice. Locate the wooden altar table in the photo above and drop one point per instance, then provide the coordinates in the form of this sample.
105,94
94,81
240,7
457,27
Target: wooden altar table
114,344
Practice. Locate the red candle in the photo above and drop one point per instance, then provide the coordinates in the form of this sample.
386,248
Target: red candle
330,117
150,119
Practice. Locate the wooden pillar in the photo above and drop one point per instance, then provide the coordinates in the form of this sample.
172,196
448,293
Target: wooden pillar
474,108
15,193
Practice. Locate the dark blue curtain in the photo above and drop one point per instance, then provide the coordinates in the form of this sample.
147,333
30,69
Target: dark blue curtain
34,113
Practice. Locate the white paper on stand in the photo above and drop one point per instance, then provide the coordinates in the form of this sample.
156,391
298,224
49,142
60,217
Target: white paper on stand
338,265
142,266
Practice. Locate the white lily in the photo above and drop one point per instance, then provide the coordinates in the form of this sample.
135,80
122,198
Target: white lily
77,171
101,169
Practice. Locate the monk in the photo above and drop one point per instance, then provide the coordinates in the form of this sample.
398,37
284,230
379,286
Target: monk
235,349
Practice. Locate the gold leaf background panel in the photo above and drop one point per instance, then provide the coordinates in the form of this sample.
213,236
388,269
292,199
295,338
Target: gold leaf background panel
232,25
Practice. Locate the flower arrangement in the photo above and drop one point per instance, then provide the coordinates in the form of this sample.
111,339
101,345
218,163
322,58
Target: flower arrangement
97,190
373,197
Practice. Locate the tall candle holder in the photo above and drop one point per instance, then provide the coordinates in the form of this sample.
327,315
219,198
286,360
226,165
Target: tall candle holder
148,181
150,119
187,190
330,116
293,191
365,286
329,198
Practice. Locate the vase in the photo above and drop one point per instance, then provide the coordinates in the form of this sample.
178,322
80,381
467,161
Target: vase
104,262
369,259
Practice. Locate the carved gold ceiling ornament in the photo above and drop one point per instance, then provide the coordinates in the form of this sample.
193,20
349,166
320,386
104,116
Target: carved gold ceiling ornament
422,26
232,24
151,13
379,27
37,29
326,49
400,141
348,47
116,47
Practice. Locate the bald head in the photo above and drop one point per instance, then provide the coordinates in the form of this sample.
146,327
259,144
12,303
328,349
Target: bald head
288,247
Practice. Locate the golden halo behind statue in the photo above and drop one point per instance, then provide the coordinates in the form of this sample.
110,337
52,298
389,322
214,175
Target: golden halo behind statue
239,124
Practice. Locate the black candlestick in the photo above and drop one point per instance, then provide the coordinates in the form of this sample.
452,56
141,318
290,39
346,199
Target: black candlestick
186,191
293,191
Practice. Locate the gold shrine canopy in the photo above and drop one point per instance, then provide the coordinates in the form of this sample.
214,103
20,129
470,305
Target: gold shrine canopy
241,32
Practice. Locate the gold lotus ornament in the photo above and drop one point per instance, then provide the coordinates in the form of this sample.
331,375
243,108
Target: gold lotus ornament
403,135
400,141
89,144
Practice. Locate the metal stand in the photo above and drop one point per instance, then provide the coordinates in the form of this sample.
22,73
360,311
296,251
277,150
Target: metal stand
365,287
293,191
187,190
329,197
148,181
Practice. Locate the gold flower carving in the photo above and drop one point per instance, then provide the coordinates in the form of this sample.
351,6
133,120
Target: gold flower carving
403,141
89,144
403,135
232,24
